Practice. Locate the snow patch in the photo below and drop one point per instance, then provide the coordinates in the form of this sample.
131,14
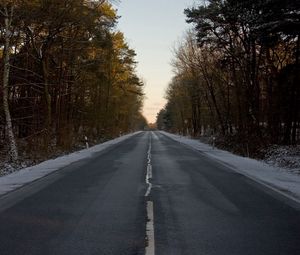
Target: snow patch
284,156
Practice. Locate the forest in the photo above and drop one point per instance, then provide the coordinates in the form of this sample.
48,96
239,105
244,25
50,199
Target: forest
66,73
237,75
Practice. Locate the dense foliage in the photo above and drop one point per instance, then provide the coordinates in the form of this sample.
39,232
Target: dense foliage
66,73
237,73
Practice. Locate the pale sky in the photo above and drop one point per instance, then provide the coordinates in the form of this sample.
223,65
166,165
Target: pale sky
152,28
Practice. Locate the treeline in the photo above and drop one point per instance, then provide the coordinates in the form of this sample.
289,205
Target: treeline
66,73
237,74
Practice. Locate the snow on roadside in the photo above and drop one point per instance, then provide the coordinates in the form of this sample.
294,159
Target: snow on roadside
26,175
276,177
287,157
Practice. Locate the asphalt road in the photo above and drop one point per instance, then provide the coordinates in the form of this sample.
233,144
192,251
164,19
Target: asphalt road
98,206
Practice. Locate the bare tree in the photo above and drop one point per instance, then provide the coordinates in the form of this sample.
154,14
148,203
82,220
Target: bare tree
7,11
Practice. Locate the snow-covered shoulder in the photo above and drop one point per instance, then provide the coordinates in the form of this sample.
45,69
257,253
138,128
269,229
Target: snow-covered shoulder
26,175
278,178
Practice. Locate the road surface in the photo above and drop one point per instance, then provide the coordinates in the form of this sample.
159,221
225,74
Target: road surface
189,204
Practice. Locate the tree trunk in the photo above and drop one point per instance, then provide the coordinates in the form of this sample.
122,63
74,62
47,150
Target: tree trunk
48,107
6,69
46,93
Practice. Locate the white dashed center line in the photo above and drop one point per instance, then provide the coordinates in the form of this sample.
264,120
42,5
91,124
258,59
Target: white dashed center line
150,248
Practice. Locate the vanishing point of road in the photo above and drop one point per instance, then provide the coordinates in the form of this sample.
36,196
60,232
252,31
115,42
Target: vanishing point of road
148,194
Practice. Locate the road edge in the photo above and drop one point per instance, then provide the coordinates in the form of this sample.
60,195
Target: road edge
108,145
293,199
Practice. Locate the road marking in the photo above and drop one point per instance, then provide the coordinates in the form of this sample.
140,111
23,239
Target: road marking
149,169
148,177
150,247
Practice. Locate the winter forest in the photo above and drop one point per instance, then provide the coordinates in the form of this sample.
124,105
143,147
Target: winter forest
237,75
68,76
66,73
